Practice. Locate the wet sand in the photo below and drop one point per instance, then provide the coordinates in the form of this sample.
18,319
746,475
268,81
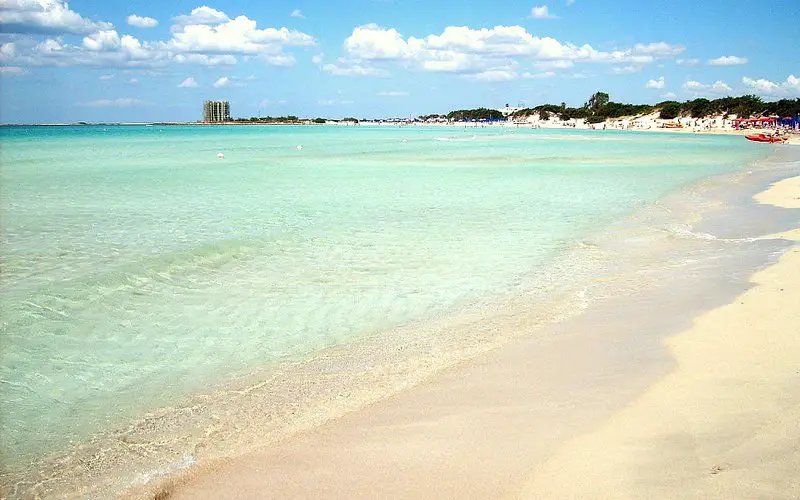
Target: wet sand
724,424
593,409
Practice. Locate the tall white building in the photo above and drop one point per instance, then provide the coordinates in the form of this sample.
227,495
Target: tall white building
216,111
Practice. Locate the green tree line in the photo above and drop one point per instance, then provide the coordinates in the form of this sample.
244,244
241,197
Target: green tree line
268,119
746,106
462,115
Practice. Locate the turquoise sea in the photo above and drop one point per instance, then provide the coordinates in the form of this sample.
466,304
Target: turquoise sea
138,268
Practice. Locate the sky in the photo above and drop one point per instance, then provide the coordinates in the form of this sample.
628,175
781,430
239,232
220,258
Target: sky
141,60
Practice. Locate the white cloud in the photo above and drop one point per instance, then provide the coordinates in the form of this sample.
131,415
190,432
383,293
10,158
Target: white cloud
626,70
45,16
125,102
718,87
655,84
298,14
354,70
463,50
280,60
658,49
102,41
541,12
727,61
133,48
687,62
570,3
493,76
317,59
141,21
201,15
762,85
393,93
206,36
206,60
210,37
49,46
222,82
789,88
539,76
669,95
375,43
463,63
12,71
8,51
556,64
107,77
189,83
235,36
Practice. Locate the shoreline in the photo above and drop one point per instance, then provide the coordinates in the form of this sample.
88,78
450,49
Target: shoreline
610,126
724,423
458,434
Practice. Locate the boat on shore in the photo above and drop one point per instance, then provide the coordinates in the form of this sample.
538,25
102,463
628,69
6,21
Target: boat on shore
764,138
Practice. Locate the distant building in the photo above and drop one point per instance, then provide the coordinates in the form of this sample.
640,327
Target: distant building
216,111
510,110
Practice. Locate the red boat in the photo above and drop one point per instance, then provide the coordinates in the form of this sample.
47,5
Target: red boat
764,138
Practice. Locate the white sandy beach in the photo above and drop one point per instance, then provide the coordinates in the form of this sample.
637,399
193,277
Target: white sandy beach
525,422
717,125
725,424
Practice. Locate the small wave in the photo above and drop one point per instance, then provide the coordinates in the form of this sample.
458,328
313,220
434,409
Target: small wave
687,233
147,477
579,302
583,298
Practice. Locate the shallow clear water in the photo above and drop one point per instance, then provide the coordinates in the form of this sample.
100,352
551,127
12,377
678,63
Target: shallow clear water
138,268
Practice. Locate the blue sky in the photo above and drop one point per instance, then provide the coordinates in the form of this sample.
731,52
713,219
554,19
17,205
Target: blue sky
109,60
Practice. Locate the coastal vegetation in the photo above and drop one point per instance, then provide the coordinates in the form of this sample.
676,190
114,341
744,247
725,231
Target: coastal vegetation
465,115
268,119
433,117
291,120
743,107
599,108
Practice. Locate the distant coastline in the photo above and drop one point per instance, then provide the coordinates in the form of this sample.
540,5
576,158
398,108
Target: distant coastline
716,125
142,124
599,112
724,116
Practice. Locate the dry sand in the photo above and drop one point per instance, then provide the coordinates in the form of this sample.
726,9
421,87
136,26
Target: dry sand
523,422
725,424
785,193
